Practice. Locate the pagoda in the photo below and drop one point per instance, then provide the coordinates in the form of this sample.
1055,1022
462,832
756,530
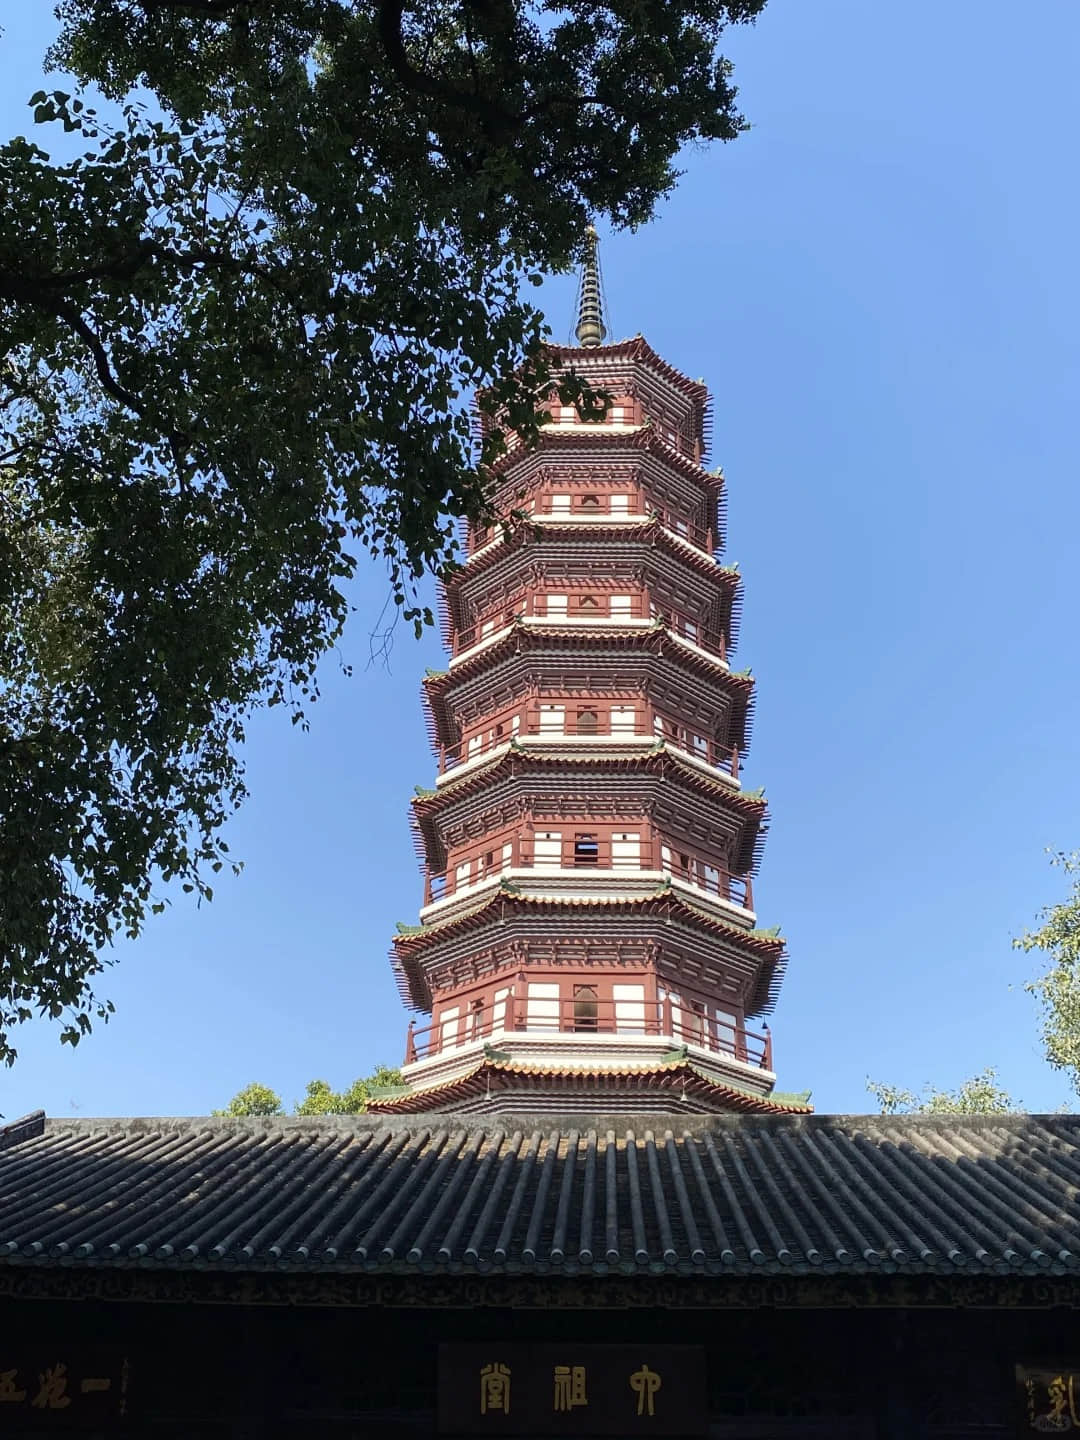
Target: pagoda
588,938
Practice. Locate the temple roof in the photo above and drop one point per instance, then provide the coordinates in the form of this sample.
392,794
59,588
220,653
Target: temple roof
536,1194
497,906
440,684
678,1079
566,770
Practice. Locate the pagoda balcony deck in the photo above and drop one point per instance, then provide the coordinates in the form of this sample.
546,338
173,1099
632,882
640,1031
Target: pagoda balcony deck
599,508
711,644
599,1039
534,730
730,897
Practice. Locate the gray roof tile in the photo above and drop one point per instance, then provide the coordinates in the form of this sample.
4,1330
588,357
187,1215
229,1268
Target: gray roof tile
459,1194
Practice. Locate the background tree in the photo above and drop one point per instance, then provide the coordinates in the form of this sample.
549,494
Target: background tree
254,1099
1058,988
238,338
979,1095
319,1099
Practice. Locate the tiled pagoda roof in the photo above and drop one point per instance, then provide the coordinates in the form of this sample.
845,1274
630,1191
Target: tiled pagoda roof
670,1196
646,528
413,942
659,761
672,1077
438,683
640,437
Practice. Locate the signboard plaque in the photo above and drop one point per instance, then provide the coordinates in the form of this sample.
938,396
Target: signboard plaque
572,1389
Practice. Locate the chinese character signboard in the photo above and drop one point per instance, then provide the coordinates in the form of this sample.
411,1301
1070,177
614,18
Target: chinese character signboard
50,1389
1048,1399
572,1389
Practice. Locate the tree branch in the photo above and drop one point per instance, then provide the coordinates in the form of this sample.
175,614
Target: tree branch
109,383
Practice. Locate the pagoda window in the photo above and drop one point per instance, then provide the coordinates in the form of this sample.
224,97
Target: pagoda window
542,1011
590,502
727,1030
586,1007
552,719
555,605
587,604
547,850
617,414
623,720
588,722
448,1027
629,1008
700,746
462,874
621,606
498,1008
586,849
474,1021
567,414
619,504
487,627
626,850
693,1022
560,504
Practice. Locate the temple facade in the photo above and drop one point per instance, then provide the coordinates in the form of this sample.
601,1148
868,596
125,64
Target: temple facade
588,932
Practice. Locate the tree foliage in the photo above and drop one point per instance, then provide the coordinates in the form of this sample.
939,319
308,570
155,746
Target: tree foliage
979,1095
254,1099
238,332
319,1098
1057,989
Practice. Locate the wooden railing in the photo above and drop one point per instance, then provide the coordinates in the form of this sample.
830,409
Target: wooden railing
534,722
524,852
608,609
638,506
587,1016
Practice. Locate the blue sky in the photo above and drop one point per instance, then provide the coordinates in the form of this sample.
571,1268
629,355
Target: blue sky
879,284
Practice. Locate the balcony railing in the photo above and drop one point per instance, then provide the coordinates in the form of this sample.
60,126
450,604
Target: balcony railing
538,723
600,505
580,853
585,1017
608,609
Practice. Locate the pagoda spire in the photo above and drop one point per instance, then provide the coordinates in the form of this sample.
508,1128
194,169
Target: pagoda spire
590,330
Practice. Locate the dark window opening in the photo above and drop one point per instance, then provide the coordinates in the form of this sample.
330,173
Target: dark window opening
585,1007
694,1020
586,850
590,502
588,722
588,602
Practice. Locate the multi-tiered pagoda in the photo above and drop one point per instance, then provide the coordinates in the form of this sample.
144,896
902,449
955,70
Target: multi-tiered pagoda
588,937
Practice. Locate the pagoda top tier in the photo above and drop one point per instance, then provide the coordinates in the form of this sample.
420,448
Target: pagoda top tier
632,370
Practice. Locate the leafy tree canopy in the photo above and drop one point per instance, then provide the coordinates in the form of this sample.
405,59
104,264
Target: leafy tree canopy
254,1099
320,1099
1058,988
238,334
979,1095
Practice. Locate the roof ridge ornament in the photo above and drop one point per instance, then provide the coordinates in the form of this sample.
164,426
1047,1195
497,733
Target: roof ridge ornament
590,330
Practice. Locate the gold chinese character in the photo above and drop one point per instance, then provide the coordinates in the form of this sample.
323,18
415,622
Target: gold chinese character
90,1385
645,1383
8,1391
52,1391
1061,1397
569,1387
495,1388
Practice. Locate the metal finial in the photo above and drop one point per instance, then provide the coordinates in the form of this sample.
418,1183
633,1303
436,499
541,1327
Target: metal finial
590,327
